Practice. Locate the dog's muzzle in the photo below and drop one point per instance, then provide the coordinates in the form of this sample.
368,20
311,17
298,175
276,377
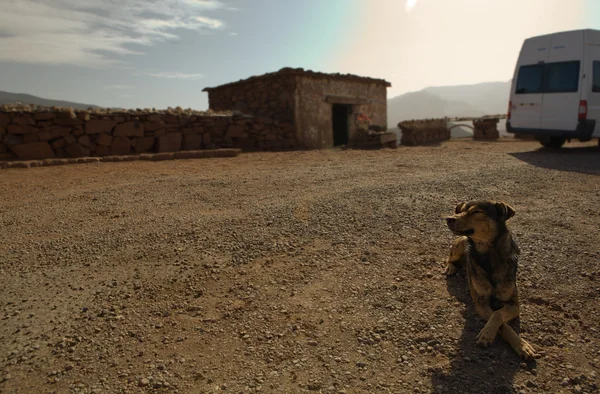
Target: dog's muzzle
452,226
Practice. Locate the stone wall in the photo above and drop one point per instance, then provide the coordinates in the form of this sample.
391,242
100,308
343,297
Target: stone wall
271,101
315,97
34,133
426,131
486,129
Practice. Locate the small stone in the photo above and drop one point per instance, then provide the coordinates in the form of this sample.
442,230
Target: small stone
143,382
565,382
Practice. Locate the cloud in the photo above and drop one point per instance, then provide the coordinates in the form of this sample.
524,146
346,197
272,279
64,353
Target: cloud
96,33
209,22
409,5
175,75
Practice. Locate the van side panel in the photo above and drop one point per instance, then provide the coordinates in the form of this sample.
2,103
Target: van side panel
526,109
560,108
592,54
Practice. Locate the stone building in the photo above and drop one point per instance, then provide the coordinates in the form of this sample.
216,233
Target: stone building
309,109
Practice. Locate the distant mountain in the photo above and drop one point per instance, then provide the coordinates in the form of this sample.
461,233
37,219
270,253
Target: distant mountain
10,98
451,101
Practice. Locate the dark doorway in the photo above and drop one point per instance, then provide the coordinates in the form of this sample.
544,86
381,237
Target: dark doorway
340,117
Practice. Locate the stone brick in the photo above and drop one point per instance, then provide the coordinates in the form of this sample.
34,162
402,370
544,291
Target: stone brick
33,151
194,130
24,119
76,150
29,138
84,140
83,116
102,151
44,135
155,118
59,132
3,130
192,142
68,122
236,131
21,129
5,119
60,143
44,115
148,143
206,140
137,144
78,131
3,148
97,126
163,156
66,114
60,152
70,139
153,126
104,139
160,132
130,129
120,146
12,139
170,143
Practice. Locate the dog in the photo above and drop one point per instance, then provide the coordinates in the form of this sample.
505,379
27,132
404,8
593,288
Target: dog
489,254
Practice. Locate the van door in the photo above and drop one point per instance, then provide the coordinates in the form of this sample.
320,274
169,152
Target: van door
526,97
562,82
526,109
592,78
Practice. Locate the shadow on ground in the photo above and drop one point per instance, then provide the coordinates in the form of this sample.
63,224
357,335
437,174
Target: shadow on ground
473,369
585,160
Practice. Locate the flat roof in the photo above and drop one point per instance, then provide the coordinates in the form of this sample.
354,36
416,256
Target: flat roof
305,73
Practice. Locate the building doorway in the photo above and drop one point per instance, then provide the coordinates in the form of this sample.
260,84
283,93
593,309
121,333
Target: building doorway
340,119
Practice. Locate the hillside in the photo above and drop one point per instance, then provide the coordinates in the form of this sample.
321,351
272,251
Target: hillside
9,98
439,101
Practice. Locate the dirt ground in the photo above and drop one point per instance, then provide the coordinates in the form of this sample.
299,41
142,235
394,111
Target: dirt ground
294,272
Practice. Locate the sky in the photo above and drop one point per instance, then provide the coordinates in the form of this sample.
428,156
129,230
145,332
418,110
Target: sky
162,53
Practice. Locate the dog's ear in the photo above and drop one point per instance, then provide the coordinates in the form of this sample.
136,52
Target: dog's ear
459,208
504,210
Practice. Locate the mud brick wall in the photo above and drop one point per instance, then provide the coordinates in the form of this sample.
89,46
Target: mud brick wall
486,129
420,132
36,133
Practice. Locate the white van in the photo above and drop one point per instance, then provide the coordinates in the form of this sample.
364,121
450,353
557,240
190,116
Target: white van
555,92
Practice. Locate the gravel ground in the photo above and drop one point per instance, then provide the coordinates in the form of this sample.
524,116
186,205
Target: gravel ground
293,272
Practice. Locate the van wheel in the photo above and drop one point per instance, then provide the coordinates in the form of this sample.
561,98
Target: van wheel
552,142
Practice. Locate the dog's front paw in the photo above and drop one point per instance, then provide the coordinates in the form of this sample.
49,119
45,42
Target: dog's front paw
451,269
526,351
486,336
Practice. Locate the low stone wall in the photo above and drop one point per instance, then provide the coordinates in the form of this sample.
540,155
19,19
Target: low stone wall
486,129
36,133
373,139
426,131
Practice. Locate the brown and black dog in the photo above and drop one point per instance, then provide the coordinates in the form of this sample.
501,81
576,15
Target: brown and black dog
490,256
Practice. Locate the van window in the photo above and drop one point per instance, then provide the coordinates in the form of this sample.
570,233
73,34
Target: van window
562,77
530,79
596,78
